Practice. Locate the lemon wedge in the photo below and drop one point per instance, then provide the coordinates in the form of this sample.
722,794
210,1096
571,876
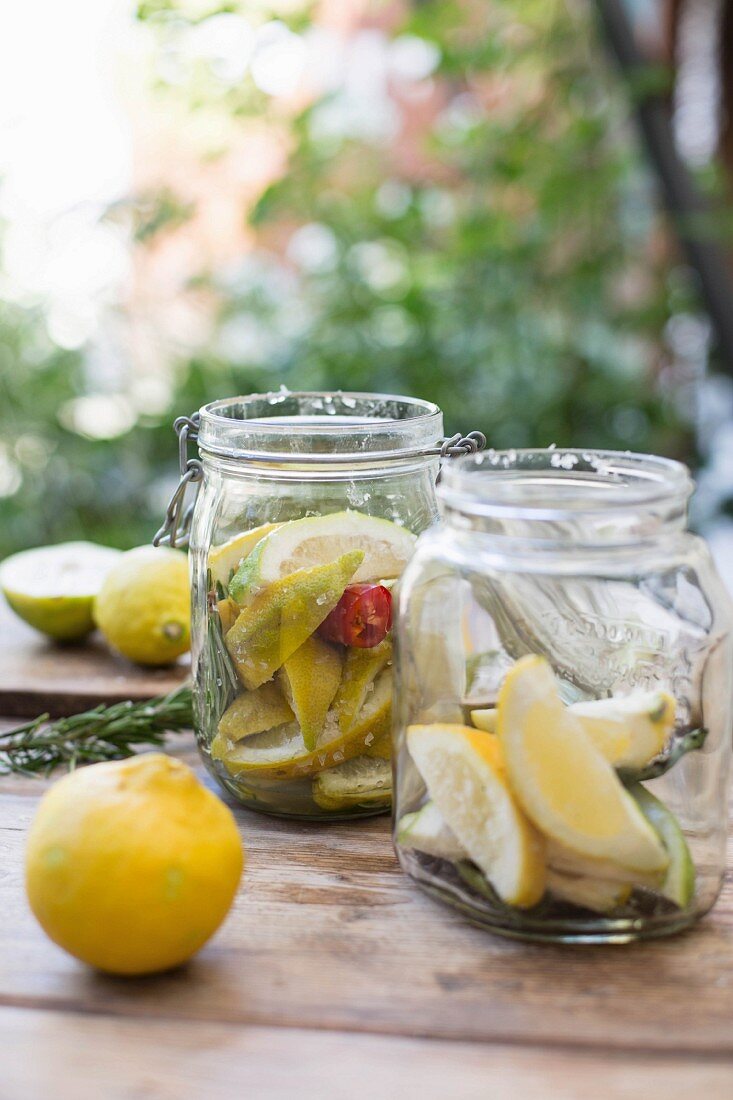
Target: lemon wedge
567,862
224,560
426,830
317,540
254,712
464,772
310,679
283,616
485,719
564,784
357,782
629,730
589,893
361,668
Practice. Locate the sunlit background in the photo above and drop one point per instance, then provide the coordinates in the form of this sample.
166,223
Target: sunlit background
445,198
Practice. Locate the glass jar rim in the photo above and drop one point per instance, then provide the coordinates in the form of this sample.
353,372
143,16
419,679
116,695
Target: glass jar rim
553,483
319,426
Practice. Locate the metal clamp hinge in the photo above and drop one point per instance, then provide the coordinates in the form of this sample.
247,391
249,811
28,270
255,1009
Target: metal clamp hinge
178,516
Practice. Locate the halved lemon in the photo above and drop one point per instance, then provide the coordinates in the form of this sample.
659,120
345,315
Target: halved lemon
53,587
317,540
224,560
564,784
464,772
284,615
254,712
310,679
358,782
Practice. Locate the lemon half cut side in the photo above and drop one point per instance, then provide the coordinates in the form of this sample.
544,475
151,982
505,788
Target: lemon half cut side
53,588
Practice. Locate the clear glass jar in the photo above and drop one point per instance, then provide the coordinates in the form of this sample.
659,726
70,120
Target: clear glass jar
308,511
563,699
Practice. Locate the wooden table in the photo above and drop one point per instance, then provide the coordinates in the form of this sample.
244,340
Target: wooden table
334,978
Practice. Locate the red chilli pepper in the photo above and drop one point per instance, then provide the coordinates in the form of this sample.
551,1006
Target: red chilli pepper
361,618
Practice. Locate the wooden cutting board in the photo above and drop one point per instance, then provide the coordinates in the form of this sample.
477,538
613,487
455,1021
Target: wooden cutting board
37,675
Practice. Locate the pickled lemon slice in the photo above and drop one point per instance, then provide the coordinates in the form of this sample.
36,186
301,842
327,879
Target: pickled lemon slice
317,540
282,754
228,613
381,747
464,772
374,720
564,784
283,616
254,712
310,679
629,730
224,560
361,668
357,782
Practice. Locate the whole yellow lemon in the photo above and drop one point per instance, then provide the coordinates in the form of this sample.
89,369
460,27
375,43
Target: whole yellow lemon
144,605
132,866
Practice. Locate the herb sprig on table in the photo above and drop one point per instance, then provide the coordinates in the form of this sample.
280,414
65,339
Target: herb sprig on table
102,733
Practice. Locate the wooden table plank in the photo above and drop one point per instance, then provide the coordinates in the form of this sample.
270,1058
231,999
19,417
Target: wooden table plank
327,933
73,1057
38,676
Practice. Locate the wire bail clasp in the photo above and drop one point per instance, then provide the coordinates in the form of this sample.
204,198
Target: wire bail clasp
177,524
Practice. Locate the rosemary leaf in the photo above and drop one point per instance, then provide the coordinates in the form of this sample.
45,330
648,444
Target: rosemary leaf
102,733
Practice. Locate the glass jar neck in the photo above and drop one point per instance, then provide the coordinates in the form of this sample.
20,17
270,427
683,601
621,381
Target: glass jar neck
555,500
305,431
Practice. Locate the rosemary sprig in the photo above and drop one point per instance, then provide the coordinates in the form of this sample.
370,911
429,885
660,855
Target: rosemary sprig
102,733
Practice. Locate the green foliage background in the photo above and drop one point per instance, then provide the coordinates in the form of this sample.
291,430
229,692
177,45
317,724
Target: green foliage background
525,287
